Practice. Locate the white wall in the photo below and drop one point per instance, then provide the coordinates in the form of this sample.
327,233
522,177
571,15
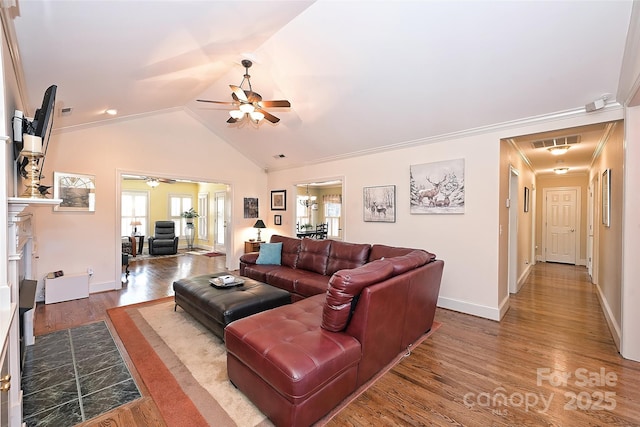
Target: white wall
475,279
630,342
166,144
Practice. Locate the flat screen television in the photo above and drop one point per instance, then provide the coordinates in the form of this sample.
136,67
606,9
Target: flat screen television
43,114
39,126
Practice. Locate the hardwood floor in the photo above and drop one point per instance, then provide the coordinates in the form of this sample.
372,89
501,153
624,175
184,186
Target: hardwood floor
550,361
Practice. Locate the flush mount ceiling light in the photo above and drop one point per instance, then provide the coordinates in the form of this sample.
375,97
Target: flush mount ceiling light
561,171
558,149
248,102
111,111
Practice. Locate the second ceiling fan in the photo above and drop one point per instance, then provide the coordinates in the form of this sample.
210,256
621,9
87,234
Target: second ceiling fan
249,103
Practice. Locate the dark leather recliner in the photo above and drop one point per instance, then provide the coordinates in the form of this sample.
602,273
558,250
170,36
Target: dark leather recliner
164,241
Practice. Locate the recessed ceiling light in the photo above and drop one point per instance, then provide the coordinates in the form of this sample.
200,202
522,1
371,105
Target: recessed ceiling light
111,111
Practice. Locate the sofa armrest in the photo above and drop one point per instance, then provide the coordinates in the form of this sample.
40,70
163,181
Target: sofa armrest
248,259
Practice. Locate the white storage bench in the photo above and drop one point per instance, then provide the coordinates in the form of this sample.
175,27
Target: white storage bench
66,288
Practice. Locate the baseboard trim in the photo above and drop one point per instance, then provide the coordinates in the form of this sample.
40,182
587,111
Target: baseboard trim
491,313
614,327
101,287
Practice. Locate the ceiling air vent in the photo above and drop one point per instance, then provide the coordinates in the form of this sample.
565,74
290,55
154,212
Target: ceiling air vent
552,142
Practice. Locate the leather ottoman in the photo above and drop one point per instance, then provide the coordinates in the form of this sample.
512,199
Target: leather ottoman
215,307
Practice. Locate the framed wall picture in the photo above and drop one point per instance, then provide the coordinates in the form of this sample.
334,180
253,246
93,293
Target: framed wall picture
526,199
279,200
277,219
379,203
251,207
437,188
78,192
606,198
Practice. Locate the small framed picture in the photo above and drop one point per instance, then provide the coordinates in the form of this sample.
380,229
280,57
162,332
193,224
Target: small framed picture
277,219
279,200
251,207
379,203
78,192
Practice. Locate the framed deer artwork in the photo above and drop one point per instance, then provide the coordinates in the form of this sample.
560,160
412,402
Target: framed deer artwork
437,188
379,203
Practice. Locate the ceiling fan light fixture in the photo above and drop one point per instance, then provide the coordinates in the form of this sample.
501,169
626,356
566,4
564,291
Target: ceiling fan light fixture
236,114
153,183
256,116
247,108
559,149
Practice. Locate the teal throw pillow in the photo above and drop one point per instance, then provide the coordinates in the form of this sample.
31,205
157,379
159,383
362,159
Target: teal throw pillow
270,253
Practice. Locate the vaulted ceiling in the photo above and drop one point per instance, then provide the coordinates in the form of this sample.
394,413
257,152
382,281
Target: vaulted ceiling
361,75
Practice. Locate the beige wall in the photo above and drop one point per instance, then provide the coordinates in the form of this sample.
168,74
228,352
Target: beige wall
609,249
510,159
153,145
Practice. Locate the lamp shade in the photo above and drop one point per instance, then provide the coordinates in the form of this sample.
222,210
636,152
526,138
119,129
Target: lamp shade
259,224
135,223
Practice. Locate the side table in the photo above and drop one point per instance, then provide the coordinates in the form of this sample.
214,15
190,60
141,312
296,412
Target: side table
137,243
252,246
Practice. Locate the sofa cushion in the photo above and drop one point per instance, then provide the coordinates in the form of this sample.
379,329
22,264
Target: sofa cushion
282,277
344,286
259,272
308,283
289,350
314,255
270,253
384,251
290,249
413,259
345,255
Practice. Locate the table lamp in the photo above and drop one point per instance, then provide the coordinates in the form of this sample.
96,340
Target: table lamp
259,224
135,224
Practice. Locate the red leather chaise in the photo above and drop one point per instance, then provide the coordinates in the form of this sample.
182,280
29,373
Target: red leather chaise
297,362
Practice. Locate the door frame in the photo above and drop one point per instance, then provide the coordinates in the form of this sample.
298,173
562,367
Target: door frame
512,258
578,214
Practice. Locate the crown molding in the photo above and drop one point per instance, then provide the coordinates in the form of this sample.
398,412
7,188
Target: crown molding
9,31
499,127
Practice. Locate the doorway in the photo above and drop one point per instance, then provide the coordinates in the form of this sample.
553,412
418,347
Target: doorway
561,224
215,195
320,202
220,222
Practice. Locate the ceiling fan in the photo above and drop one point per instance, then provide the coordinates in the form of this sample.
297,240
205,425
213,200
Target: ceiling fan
249,103
150,180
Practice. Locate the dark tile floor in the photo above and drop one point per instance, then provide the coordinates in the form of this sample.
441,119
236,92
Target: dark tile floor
74,375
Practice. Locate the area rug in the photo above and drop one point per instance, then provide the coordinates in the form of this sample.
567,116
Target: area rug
212,254
183,366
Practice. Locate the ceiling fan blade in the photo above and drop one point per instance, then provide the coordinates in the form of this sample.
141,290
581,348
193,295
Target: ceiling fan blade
268,116
232,120
238,92
216,102
270,104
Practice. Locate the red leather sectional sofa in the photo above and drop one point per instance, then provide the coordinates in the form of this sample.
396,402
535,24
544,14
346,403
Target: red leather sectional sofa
356,308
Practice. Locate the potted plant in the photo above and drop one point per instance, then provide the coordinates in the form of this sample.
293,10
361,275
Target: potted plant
189,215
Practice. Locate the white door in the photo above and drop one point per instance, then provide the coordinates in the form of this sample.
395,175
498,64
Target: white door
561,225
220,222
